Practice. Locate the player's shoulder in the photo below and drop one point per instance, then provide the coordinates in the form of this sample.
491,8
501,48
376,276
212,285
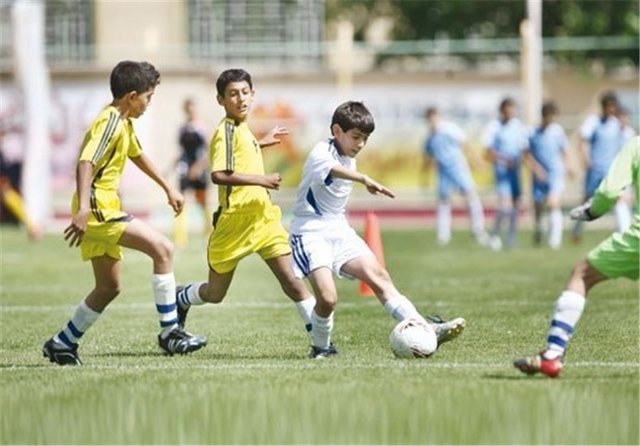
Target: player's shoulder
109,113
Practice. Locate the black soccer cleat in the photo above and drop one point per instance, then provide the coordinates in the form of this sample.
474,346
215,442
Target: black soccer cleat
182,311
60,353
180,342
321,353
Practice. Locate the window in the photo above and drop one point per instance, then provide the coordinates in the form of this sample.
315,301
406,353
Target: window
257,31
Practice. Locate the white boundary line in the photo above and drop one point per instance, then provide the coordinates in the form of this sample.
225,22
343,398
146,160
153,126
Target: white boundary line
331,364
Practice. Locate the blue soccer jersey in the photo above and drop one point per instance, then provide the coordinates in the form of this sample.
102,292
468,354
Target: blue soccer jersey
605,137
444,146
508,140
547,146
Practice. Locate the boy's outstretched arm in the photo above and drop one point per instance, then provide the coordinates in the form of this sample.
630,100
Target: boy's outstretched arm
175,198
620,176
231,178
273,136
372,186
78,226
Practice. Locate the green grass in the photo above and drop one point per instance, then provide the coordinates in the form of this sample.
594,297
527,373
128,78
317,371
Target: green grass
253,383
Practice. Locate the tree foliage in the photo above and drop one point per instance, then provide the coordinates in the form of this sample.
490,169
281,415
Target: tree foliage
458,19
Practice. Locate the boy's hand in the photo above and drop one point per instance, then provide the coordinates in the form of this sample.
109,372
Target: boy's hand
272,137
583,212
76,229
540,174
375,188
176,201
272,181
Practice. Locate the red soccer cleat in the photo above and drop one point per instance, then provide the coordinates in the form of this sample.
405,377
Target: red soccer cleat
539,364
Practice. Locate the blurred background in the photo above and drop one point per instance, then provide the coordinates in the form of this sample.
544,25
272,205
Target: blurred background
306,57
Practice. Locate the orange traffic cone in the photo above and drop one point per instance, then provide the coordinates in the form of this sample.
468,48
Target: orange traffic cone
374,240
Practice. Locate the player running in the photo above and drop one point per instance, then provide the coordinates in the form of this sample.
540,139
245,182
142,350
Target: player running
617,256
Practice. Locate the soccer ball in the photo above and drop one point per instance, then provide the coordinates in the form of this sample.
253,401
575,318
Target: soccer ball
413,339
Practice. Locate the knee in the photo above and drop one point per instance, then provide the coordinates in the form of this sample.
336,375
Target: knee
164,250
109,291
326,303
211,295
294,287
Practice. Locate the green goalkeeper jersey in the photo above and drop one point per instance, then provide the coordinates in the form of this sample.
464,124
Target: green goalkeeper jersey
624,171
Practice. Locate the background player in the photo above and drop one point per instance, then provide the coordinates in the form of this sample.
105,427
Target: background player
547,157
505,139
246,221
192,167
100,227
601,138
323,242
617,256
444,145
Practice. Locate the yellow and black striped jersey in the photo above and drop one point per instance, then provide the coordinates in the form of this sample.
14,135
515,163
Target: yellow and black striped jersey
107,144
235,149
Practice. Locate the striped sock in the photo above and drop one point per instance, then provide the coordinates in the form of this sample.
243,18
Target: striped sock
568,310
190,295
83,318
164,293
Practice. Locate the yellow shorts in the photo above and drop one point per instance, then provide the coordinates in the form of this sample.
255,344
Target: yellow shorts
106,225
236,235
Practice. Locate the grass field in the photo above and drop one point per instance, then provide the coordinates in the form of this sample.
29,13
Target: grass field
253,384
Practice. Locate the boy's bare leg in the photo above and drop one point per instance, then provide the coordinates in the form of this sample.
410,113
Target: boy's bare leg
322,315
369,270
293,287
63,347
142,237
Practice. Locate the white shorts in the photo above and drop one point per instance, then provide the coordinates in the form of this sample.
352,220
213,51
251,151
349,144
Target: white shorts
331,248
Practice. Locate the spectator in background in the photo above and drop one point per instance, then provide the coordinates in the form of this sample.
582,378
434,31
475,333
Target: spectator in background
505,139
444,145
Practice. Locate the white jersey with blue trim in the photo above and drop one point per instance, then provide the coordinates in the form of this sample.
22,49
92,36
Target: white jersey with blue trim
320,196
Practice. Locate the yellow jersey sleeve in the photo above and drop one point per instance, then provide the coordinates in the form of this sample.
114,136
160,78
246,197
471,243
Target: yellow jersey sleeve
98,137
135,148
221,150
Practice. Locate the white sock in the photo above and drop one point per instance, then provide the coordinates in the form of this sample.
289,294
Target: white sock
82,319
164,293
321,328
623,216
401,308
476,214
190,295
443,221
566,315
555,228
305,308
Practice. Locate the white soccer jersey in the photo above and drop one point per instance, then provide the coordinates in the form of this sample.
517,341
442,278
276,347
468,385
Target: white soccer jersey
321,196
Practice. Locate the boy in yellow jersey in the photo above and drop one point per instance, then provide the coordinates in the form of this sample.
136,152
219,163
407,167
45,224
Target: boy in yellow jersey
246,221
101,228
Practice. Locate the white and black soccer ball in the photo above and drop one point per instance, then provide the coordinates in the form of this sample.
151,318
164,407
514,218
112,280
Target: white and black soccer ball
413,339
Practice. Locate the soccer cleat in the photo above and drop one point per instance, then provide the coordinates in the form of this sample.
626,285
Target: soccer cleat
180,342
182,311
60,353
321,353
539,364
446,330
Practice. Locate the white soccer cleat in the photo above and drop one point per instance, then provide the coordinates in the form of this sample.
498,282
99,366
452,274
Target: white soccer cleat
446,330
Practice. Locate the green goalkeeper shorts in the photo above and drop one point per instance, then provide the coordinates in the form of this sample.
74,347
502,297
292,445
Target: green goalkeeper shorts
618,255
